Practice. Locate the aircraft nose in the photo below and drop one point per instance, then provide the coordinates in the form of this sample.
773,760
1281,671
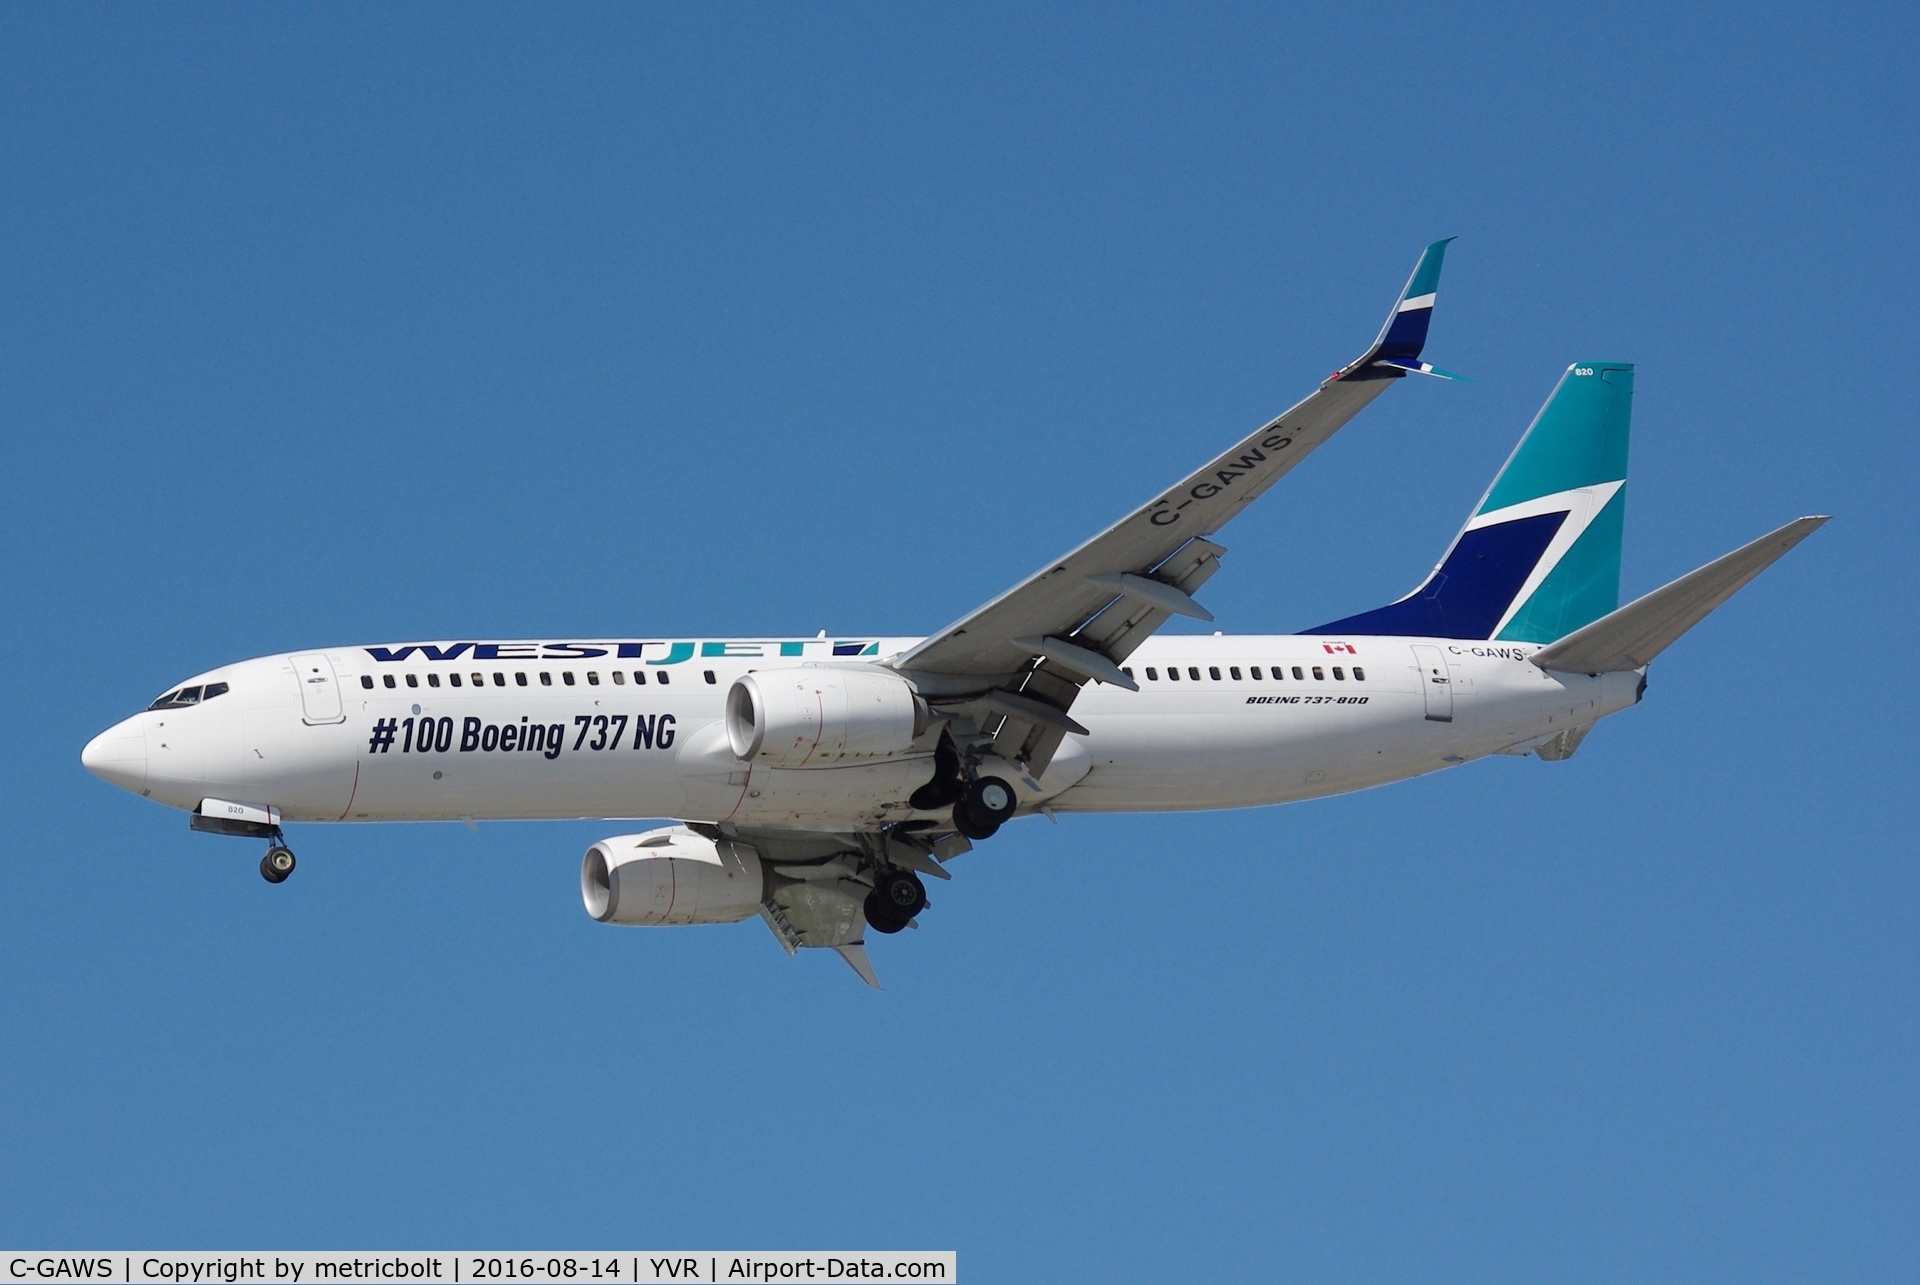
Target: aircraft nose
119,755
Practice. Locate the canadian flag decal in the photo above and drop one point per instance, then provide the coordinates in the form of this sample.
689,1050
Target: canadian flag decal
1336,649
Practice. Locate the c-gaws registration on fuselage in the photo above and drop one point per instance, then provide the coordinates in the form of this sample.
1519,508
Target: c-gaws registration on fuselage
819,781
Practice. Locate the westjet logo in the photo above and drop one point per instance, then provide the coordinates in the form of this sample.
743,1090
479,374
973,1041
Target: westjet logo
653,652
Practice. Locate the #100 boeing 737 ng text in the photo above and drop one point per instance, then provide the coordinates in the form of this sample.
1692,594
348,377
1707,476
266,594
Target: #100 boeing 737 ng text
818,779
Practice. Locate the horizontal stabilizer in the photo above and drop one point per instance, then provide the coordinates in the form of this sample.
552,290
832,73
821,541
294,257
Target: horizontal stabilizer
1632,636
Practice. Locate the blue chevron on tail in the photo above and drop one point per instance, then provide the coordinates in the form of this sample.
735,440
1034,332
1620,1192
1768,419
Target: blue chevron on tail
1540,557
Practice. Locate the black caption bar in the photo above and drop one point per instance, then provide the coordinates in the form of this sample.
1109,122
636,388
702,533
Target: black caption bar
471,1267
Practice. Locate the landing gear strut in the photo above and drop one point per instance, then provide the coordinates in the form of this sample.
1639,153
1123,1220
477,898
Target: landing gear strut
897,896
278,863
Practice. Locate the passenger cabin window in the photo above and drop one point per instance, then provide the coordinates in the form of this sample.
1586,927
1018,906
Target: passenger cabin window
499,679
1318,675
386,680
454,678
1339,674
1359,674
1235,671
1255,671
593,678
546,679
366,680
413,680
619,679
1297,674
1213,672
639,678
1126,671
1153,675
710,678
1173,673
662,677
433,680
1193,672
567,678
520,677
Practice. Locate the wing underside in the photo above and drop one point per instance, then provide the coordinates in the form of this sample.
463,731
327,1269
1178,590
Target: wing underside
1008,672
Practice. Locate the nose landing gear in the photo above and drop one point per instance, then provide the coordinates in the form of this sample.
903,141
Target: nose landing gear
248,821
278,863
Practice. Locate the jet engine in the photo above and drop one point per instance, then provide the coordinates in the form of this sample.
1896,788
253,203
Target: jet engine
822,715
671,876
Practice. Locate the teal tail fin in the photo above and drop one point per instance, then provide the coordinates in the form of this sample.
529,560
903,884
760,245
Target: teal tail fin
1540,557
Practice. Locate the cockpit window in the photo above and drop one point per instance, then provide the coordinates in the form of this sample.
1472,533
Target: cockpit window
189,696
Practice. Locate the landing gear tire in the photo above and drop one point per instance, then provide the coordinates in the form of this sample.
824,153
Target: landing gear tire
277,864
970,825
991,799
987,803
897,896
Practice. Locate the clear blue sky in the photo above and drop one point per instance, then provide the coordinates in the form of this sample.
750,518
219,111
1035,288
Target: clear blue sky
357,324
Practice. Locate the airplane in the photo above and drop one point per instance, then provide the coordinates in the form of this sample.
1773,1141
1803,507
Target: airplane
818,782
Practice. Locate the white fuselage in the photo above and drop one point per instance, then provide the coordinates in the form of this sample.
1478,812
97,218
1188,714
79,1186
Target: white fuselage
613,729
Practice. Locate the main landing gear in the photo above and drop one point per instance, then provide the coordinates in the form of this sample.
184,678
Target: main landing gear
984,806
279,862
981,804
897,896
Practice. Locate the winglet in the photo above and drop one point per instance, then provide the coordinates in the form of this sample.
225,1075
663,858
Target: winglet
1419,368
855,953
1397,350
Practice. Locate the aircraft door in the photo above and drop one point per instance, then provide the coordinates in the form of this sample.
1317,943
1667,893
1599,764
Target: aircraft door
1435,682
319,689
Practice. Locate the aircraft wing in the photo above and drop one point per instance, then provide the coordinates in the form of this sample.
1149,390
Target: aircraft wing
1019,661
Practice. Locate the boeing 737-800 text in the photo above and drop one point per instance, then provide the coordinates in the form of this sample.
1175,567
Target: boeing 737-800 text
818,780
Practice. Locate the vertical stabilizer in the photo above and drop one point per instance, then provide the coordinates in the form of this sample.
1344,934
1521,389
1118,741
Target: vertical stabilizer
1540,557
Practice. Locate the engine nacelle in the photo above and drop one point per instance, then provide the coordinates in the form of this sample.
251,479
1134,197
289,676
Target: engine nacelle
671,876
822,715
